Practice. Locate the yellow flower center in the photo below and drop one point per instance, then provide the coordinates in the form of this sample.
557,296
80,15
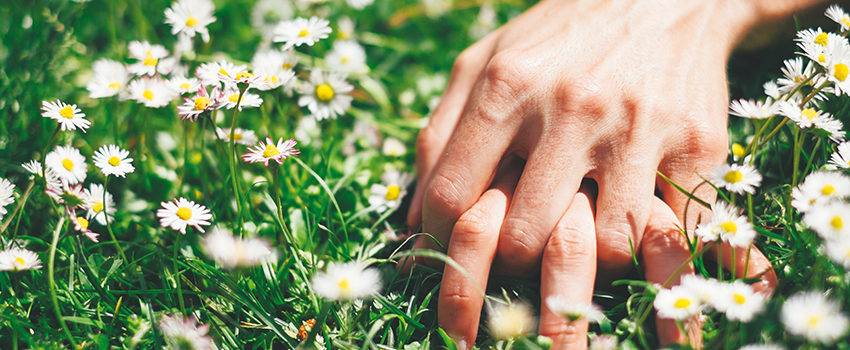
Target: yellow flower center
273,78
191,21
738,298
147,94
224,72
271,151
201,103
115,86
234,98
840,71
822,39
97,207
244,75
682,303
237,136
836,222
733,176
286,66
737,150
344,59
392,192
822,58
303,32
324,92
83,222
67,112
827,190
344,286
67,164
809,114
846,21
814,320
729,226
114,161
150,61
184,86
184,213
20,262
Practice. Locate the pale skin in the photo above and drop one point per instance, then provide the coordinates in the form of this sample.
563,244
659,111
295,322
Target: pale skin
611,91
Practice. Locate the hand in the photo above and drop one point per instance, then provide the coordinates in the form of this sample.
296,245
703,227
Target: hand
611,91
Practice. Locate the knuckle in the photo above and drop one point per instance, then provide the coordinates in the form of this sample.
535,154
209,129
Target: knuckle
615,249
464,61
582,96
455,299
471,226
506,74
444,195
566,332
518,243
568,244
661,241
428,138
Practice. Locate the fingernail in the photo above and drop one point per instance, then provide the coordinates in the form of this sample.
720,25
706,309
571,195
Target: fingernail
461,344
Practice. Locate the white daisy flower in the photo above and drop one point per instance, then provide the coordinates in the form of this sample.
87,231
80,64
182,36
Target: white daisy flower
19,259
231,252
346,57
151,92
241,136
393,147
805,118
267,151
832,126
388,194
210,73
190,17
273,66
359,4
771,89
346,28
81,224
830,220
838,67
794,73
230,99
737,178
751,109
7,195
820,187
95,207
181,213
67,163
147,57
841,157
185,333
184,85
767,346
837,14
72,196
738,301
203,101
113,161
704,289
346,281
325,95
603,342
301,31
573,311
509,321
33,167
813,316
818,45
839,251
677,303
69,117
266,14
109,78
727,225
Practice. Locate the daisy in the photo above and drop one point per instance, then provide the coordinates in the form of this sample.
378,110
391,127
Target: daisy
818,45
200,103
573,311
359,4
738,301
767,346
794,73
231,252
185,333
67,163
240,136
19,259
820,187
841,157
771,89
273,66
603,342
677,303
345,28
7,195
704,289
112,160
325,95
393,147
736,178
346,57
184,85
266,14
301,31
81,224
837,63
96,208
154,93
388,194
830,220
839,251
190,17
72,196
805,118
181,213
727,225
69,116
751,109
33,167
230,99
346,281
109,78
833,127
271,151
837,14
210,73
813,316
147,57
509,321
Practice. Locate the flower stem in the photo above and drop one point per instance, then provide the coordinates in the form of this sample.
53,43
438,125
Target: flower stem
275,190
44,156
233,160
52,282
798,144
108,226
177,275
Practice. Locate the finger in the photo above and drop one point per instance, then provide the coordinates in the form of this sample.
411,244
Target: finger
549,181
750,262
472,246
666,257
568,272
432,139
623,207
